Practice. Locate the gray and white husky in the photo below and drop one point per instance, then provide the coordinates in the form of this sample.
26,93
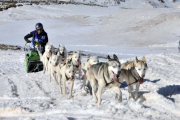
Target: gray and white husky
86,65
62,52
105,75
75,58
53,63
49,50
66,73
133,72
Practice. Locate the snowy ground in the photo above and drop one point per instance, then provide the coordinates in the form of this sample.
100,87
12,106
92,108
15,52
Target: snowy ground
31,95
101,31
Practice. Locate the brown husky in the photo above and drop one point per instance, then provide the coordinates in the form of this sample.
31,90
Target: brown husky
133,72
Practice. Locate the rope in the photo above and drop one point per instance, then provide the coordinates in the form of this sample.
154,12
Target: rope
82,74
127,84
64,60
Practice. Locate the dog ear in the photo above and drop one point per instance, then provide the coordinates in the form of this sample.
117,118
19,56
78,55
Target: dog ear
51,44
67,66
53,47
59,45
74,52
144,59
115,57
71,63
136,60
78,51
108,57
95,57
62,45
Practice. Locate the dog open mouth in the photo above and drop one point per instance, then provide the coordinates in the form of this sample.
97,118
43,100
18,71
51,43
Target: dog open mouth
62,55
56,64
72,78
141,80
77,63
115,77
50,53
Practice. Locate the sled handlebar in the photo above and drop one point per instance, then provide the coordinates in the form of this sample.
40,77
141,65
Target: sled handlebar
37,43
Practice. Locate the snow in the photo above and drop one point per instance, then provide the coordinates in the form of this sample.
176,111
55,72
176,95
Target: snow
137,31
31,95
90,27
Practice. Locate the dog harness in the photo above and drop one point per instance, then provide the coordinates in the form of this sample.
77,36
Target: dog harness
136,79
106,80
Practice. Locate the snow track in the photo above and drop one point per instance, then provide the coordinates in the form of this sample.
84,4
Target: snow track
31,95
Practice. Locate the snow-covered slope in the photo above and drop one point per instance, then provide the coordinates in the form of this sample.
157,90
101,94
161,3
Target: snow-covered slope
140,31
31,95
86,25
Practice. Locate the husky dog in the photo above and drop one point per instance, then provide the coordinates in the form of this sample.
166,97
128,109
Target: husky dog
53,62
75,58
86,65
105,75
62,52
133,72
66,72
49,50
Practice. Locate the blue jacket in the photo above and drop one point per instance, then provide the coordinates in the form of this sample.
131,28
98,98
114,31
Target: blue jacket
41,38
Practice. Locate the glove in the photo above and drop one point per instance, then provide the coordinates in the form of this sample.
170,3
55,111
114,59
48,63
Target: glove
28,41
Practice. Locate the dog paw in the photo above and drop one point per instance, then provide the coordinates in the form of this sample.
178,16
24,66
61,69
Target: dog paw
136,95
71,96
83,92
98,104
133,100
120,100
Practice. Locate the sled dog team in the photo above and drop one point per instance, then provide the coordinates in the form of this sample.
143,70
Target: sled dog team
99,74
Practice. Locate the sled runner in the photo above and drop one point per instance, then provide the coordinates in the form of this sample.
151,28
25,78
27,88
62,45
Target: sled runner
33,63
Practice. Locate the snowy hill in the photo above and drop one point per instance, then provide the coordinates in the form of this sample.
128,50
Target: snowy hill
135,28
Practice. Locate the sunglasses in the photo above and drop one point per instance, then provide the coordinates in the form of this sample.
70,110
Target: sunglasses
38,29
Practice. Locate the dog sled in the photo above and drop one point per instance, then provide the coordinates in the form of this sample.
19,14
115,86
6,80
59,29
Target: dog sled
32,58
